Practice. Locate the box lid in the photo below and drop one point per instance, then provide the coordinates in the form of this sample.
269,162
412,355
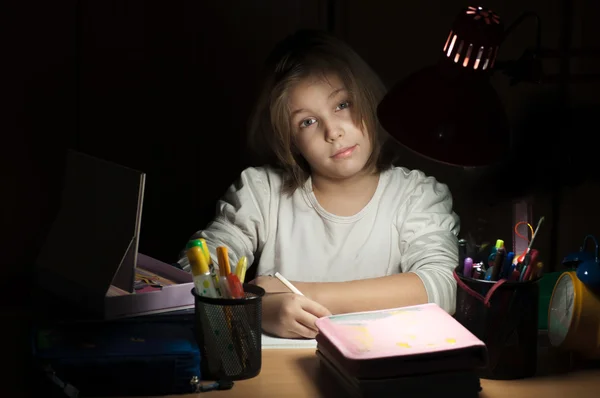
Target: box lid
93,241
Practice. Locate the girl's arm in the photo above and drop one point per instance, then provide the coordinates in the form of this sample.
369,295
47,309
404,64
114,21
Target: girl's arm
241,221
428,230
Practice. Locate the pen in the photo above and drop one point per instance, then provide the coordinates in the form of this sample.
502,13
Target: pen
288,284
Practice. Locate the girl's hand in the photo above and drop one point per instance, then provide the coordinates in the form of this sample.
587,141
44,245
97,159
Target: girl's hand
290,315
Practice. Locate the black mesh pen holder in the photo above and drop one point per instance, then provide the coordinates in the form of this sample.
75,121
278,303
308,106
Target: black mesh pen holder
228,332
504,315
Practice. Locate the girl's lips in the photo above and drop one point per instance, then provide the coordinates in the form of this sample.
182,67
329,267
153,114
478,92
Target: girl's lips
344,152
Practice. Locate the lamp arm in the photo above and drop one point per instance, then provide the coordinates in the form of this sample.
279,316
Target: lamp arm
528,67
538,28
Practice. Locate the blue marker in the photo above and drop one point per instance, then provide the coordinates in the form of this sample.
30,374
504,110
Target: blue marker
488,273
506,272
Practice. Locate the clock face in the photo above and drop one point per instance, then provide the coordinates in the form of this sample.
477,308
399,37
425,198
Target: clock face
561,310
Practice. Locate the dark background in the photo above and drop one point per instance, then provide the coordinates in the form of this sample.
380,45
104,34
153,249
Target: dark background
166,87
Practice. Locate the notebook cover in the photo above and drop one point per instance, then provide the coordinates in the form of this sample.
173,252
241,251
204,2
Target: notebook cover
457,383
400,341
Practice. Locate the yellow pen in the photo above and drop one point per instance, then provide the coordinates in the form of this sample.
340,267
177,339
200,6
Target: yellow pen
240,268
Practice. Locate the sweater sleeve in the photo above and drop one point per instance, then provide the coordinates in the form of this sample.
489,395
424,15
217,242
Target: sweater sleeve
428,230
241,220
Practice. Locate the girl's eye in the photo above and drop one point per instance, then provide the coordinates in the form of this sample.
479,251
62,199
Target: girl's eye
307,123
343,105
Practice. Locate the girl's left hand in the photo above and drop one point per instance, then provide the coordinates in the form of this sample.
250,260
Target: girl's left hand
270,284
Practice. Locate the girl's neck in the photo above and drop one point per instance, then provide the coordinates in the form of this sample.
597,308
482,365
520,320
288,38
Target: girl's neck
345,197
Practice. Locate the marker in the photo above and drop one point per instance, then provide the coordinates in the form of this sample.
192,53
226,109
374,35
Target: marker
240,269
531,267
492,257
235,286
288,284
505,272
468,267
201,243
489,273
515,275
203,281
211,266
498,262
192,243
223,258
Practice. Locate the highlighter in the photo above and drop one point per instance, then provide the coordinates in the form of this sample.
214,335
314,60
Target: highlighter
203,281
192,243
223,258
498,262
468,267
489,272
492,257
505,271
211,266
240,269
235,286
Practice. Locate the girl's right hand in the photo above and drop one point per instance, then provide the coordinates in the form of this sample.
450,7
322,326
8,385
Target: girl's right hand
290,315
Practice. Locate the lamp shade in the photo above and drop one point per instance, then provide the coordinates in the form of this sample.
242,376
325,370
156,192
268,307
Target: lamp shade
450,112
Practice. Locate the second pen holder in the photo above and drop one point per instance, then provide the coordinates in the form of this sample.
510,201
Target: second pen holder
228,332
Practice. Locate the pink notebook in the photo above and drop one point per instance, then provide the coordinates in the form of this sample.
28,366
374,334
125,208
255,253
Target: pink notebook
409,339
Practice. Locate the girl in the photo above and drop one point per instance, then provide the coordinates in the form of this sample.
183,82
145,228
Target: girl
330,212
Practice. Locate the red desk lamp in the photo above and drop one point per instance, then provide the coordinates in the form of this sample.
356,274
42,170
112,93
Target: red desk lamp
449,112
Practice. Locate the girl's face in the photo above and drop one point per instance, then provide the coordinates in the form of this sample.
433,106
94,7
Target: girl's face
323,129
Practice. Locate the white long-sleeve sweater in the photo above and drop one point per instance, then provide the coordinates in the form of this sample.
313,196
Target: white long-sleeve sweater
408,226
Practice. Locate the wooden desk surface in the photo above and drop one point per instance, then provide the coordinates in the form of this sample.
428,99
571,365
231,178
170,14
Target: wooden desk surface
295,373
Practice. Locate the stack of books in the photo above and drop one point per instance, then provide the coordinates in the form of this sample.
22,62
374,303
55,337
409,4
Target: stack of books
411,351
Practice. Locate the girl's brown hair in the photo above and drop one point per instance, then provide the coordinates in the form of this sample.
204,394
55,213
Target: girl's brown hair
303,54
